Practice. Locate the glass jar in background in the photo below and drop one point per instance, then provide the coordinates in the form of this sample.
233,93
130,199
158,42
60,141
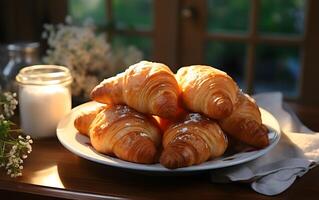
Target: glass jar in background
20,55
44,98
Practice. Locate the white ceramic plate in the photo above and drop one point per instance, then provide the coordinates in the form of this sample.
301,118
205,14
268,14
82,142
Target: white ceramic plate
80,145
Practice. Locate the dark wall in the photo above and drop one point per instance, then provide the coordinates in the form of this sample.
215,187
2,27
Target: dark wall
22,20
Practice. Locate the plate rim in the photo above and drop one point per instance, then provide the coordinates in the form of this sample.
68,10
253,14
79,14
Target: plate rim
103,159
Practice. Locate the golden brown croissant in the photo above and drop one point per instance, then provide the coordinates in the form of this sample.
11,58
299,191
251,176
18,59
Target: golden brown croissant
121,131
207,90
146,86
84,120
192,141
235,146
245,124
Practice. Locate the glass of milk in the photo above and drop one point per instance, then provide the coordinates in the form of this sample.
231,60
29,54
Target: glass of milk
44,98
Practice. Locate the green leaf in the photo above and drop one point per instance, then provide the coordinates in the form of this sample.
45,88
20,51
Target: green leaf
5,128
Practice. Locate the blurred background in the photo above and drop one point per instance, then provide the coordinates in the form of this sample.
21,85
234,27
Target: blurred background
265,45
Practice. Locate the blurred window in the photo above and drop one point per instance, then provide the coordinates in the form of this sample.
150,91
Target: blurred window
258,42
127,23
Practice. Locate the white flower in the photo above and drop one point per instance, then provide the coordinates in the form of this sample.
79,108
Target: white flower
89,56
22,142
68,19
9,104
44,35
13,148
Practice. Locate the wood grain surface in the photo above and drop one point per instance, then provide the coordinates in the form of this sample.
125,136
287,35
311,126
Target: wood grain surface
52,171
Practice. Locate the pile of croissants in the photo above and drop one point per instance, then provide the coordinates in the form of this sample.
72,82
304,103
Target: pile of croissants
148,114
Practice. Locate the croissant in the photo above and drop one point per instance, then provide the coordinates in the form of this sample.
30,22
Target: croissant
83,121
147,87
192,141
235,146
121,131
245,124
207,90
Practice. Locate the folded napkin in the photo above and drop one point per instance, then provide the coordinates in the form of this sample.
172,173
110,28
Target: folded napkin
296,152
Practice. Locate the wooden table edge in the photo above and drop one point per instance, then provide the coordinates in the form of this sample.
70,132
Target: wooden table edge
52,192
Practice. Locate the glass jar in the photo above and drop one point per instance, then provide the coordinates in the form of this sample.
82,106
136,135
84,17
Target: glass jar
44,98
20,55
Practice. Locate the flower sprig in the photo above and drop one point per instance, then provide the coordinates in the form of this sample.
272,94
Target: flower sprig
88,54
8,104
14,148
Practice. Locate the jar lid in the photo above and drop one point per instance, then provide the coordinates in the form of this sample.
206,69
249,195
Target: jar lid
23,46
44,75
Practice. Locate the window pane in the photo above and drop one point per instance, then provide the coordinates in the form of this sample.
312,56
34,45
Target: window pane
282,16
80,10
229,57
277,68
229,15
144,44
133,14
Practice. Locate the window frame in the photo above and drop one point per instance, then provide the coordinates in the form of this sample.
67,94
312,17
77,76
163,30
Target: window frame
175,39
306,42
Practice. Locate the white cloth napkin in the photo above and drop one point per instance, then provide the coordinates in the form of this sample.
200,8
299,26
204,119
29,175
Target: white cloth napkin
296,153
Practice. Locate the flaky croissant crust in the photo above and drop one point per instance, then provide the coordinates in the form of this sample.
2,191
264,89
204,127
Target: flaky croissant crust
245,123
122,131
207,90
192,141
83,121
147,87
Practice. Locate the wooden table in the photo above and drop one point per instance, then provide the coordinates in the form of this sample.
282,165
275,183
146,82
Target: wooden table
53,171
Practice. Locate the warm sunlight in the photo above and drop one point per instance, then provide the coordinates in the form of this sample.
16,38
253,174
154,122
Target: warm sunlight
159,99
48,177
